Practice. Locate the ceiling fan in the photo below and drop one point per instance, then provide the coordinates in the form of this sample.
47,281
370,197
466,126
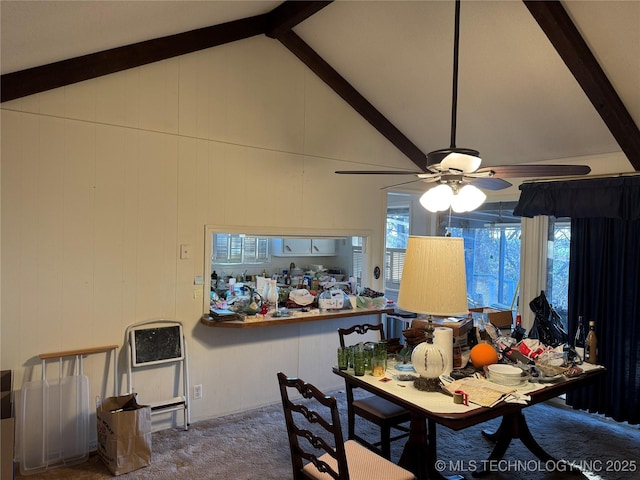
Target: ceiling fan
457,167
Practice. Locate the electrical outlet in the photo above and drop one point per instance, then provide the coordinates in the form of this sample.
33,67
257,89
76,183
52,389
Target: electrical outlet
197,392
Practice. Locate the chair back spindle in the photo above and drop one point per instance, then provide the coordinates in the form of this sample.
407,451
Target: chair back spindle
331,442
360,330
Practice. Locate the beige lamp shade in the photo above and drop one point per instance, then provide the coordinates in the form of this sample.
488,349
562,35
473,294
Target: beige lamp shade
434,281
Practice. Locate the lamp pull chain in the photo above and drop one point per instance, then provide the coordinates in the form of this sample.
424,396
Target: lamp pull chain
454,98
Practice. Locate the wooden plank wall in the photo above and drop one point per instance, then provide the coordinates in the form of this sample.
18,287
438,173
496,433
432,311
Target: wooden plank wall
103,180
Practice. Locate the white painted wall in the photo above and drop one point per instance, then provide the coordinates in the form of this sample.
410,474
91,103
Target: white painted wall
103,180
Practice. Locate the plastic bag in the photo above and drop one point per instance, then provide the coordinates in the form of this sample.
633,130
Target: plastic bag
334,299
547,326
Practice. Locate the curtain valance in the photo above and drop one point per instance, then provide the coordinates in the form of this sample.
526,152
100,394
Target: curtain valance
617,197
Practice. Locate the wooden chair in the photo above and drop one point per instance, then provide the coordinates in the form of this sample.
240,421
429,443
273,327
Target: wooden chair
314,425
385,414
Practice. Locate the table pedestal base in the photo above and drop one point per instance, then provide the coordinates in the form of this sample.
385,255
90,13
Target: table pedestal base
419,454
513,425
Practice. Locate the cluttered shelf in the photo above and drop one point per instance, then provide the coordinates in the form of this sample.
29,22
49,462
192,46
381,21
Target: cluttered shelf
294,316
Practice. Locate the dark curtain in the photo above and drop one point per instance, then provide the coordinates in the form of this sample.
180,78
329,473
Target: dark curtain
603,286
604,280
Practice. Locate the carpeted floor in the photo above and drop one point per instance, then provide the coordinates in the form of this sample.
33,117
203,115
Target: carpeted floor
253,446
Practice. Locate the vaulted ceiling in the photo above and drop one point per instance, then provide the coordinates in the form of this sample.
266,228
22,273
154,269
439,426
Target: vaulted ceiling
538,81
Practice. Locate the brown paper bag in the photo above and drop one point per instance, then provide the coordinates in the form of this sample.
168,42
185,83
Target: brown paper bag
124,434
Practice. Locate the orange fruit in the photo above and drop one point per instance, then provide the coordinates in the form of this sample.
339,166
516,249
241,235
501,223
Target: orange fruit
483,354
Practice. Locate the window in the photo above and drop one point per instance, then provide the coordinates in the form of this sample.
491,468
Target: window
492,252
396,238
397,234
492,248
357,244
233,249
557,289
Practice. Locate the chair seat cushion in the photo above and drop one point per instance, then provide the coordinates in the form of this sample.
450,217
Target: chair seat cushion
363,464
379,407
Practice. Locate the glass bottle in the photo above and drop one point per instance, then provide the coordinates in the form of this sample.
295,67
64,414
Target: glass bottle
272,295
579,341
214,280
591,345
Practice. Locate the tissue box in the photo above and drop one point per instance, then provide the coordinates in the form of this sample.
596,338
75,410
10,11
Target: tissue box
499,318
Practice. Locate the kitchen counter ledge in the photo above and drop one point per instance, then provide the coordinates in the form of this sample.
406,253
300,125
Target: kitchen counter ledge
294,317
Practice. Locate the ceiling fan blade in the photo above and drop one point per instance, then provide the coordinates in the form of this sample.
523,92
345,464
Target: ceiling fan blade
516,171
431,178
399,184
488,183
377,172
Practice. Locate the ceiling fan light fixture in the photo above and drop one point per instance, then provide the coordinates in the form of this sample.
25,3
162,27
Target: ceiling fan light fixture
467,199
437,199
461,160
443,197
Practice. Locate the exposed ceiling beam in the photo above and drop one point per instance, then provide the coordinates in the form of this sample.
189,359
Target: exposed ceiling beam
290,13
574,51
360,104
66,72
277,24
286,16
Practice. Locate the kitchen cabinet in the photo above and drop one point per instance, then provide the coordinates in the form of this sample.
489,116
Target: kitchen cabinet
323,246
302,247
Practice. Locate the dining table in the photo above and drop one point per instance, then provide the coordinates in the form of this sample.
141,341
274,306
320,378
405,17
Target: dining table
429,409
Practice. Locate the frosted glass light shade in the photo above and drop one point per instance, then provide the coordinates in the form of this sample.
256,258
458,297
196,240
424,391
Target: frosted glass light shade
440,198
461,161
467,199
437,199
434,280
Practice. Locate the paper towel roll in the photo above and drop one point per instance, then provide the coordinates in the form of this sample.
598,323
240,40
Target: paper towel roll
443,337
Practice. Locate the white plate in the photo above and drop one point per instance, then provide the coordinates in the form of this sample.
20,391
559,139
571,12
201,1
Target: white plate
522,383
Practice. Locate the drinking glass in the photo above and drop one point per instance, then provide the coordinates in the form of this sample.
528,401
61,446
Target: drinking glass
368,355
358,362
343,358
392,361
378,365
